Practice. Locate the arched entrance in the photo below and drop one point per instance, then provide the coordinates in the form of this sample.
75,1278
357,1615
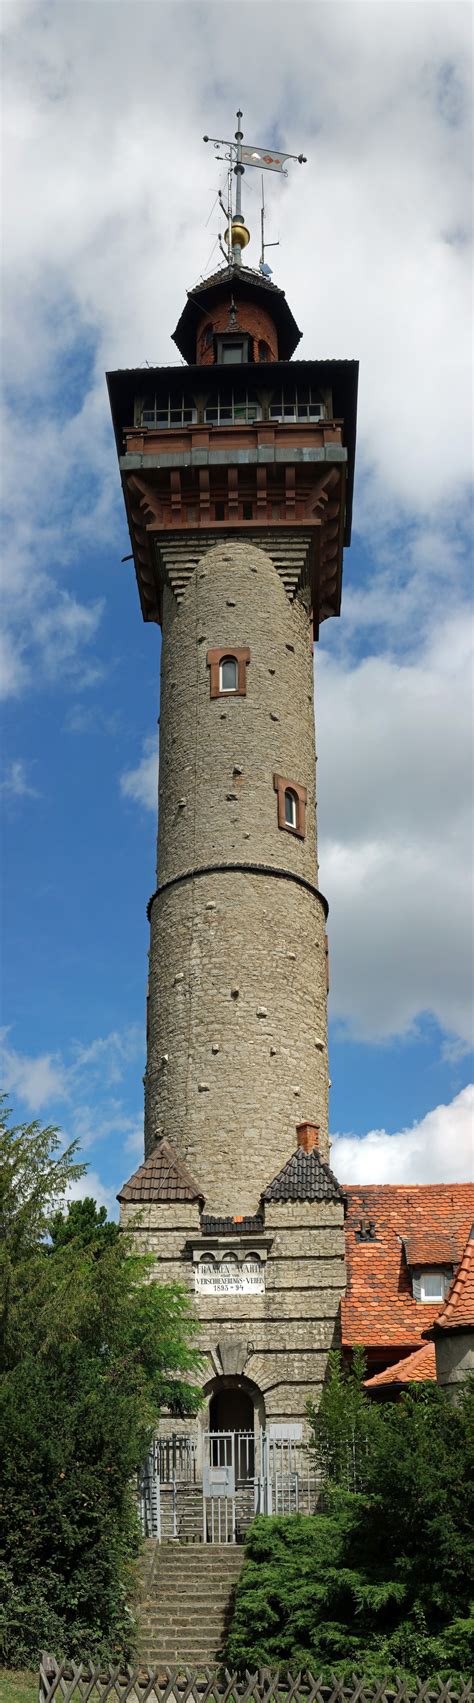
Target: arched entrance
231,1410
236,1420
232,1423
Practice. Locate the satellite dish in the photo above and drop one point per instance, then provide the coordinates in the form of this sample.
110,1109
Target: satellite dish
265,269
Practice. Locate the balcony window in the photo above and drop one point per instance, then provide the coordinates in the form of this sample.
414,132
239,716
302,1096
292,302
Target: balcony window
161,412
232,410
299,404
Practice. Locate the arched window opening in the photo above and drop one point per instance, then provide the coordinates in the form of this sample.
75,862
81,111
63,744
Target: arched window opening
228,680
263,350
290,808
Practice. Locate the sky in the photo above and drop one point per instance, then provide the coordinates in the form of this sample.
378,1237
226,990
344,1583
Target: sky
109,217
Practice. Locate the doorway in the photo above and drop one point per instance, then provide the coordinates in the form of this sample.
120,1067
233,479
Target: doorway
232,1430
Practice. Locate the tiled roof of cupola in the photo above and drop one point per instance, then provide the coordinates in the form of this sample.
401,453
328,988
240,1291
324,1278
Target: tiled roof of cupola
304,1177
458,1310
163,1176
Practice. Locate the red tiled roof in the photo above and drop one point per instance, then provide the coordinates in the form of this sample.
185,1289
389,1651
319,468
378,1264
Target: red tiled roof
413,1369
162,1177
458,1310
430,1247
379,1309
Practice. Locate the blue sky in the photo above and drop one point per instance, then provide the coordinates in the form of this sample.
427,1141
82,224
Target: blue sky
108,219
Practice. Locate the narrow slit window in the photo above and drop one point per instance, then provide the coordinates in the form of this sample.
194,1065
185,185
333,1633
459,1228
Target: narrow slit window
290,808
228,674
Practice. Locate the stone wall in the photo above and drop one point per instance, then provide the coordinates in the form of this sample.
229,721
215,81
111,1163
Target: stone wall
237,996
282,1336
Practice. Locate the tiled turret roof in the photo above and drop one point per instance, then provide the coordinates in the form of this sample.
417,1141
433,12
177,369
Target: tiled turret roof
458,1310
414,1369
162,1177
304,1177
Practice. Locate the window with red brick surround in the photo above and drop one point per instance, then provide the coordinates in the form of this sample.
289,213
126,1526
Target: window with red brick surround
291,801
240,654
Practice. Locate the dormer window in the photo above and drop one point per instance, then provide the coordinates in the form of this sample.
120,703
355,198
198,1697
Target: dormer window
232,351
431,1286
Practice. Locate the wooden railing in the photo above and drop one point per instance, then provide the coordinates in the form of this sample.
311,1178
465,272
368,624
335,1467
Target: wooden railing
65,1682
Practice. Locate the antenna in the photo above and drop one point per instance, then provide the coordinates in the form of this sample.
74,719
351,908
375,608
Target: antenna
238,157
263,267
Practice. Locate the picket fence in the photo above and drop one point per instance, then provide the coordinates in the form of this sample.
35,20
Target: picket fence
63,1682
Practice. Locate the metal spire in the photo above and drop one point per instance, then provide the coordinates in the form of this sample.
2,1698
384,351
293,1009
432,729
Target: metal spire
239,157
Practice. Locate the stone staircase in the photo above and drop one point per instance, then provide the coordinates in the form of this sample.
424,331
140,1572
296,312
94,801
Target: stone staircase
186,1602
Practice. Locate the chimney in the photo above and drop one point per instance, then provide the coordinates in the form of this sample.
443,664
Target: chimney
307,1136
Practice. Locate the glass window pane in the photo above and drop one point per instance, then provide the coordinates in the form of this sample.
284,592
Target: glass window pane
290,809
212,413
228,674
432,1285
233,354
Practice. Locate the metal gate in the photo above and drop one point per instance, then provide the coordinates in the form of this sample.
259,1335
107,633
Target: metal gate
213,1497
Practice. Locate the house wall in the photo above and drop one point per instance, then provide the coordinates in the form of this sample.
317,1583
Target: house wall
454,1360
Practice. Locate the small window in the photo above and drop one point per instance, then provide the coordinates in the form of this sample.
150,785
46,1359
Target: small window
232,354
433,1285
263,351
228,671
247,511
207,337
220,511
291,798
290,808
228,674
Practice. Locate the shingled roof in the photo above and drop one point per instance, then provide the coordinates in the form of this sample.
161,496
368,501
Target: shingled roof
414,1369
304,1177
458,1310
379,1308
163,1177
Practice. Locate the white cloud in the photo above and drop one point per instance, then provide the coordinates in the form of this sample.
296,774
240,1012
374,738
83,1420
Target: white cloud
15,783
438,1149
394,806
141,783
91,1184
37,1081
43,1079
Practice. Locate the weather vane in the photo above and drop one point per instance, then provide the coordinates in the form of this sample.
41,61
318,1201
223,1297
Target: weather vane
238,157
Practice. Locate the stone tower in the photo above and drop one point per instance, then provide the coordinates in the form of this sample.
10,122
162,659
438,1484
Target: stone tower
237,472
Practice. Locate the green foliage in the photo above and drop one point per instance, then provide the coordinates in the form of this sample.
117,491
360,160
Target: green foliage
343,1424
383,1582
92,1350
83,1222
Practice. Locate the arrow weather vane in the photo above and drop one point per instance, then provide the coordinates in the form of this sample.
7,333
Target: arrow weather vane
267,159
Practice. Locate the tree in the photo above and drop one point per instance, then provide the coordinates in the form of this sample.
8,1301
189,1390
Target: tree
383,1582
83,1222
92,1351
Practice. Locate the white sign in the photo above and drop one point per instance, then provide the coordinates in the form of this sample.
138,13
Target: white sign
229,1277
